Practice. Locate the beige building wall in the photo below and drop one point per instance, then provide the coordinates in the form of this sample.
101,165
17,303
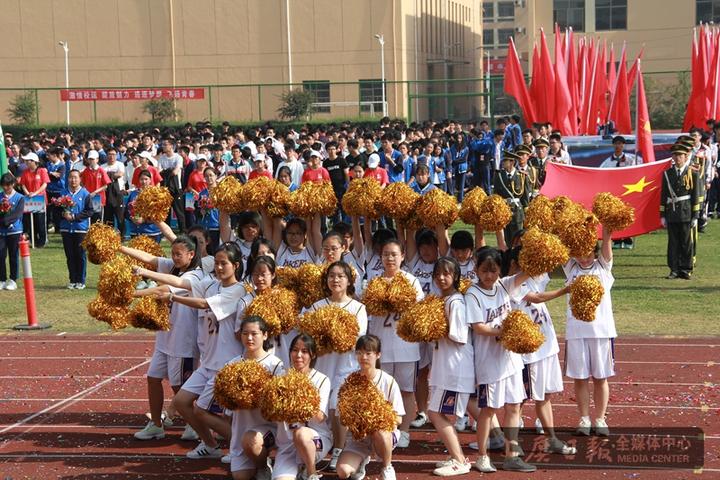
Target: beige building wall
130,43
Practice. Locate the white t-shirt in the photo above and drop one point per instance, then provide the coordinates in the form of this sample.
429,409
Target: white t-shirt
467,270
287,258
604,324
492,361
422,271
626,160
243,303
284,431
296,170
540,315
373,264
395,349
208,264
181,339
169,163
453,355
115,168
244,246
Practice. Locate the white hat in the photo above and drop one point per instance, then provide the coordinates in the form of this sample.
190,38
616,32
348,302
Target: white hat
260,157
373,160
143,154
93,154
315,153
202,156
31,156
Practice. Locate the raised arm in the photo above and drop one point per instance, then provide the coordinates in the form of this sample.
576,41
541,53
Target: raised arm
140,255
166,231
166,278
192,302
358,241
315,238
479,237
410,245
225,227
606,248
443,240
542,297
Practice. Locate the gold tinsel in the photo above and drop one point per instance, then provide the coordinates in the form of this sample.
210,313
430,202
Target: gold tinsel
257,193
363,409
290,398
153,204
239,385
520,334
412,222
314,198
399,201
151,314
363,197
494,214
116,317
278,307
228,195
116,284
613,213
539,213
147,245
287,277
586,292
424,321
465,283
541,252
101,242
279,200
334,329
470,208
383,297
580,235
438,208
565,213
309,284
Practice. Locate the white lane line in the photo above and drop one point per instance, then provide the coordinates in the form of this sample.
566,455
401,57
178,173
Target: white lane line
60,334
73,340
79,400
75,358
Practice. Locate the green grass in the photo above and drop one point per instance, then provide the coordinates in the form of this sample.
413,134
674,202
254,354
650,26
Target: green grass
644,302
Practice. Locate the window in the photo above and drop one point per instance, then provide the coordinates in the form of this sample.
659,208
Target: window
610,15
569,13
372,91
707,11
321,89
488,37
488,12
506,11
504,35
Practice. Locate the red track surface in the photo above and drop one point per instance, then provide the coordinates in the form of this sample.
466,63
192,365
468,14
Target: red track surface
69,406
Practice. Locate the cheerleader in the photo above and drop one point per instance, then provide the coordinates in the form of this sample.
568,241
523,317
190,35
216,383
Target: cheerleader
291,243
201,236
249,229
339,288
356,454
252,437
209,218
333,250
138,226
260,247
304,444
372,252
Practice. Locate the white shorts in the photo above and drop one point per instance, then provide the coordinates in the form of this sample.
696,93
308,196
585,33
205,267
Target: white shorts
404,374
589,357
542,377
426,354
175,369
448,402
202,384
497,394
242,462
287,460
364,447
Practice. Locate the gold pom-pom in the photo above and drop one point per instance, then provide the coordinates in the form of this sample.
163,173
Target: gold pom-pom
239,385
334,329
116,317
287,277
290,398
520,334
363,197
228,195
309,284
613,213
147,245
424,321
541,252
586,292
494,213
580,235
438,208
279,200
539,213
151,314
116,284
565,213
465,283
399,201
363,409
412,222
384,296
471,206
101,243
278,307
314,199
257,193
153,204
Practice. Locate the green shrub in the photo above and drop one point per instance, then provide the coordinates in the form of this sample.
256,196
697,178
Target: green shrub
296,104
24,109
161,110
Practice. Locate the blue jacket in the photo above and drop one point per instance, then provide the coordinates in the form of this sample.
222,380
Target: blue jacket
11,222
56,185
395,174
211,221
82,211
459,158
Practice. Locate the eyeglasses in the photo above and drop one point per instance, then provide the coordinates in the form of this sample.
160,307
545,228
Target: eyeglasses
331,249
391,255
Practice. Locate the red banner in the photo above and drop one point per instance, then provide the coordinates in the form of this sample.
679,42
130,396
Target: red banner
88,95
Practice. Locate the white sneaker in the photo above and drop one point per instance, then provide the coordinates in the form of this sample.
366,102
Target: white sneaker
71,286
420,420
404,440
226,459
484,464
601,428
79,286
462,423
583,427
203,451
443,463
538,427
388,473
555,445
150,432
189,434
10,285
360,472
453,468
334,459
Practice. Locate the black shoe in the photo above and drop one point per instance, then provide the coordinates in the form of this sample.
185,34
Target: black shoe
673,275
684,275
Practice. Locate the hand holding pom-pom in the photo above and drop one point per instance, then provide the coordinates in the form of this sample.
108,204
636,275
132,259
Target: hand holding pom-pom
309,283
383,295
116,284
239,385
494,214
362,198
314,199
279,200
278,307
228,195
151,314
399,201
101,243
539,213
586,293
438,208
614,214
153,203
290,398
116,317
424,321
334,329
363,409
257,193
520,334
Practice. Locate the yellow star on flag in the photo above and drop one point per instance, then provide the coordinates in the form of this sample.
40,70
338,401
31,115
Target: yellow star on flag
636,187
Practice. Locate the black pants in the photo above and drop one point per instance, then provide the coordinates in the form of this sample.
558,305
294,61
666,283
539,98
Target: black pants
515,225
38,221
114,214
679,251
178,206
9,248
75,256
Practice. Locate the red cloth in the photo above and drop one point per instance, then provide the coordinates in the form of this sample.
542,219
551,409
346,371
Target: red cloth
196,181
317,175
379,174
695,112
620,102
256,174
94,179
515,83
563,98
156,178
639,186
643,138
34,180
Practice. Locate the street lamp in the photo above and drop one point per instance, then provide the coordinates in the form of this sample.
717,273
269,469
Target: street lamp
381,40
64,46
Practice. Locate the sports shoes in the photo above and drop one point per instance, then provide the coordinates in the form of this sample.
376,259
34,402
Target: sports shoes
442,463
71,286
404,440
462,423
360,472
555,445
493,443
517,464
11,285
484,464
150,432
583,427
79,286
601,428
420,420
538,427
203,451
453,468
312,476
388,473
334,459
189,434
164,417
226,459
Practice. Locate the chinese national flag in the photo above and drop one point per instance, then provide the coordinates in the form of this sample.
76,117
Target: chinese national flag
638,186
643,133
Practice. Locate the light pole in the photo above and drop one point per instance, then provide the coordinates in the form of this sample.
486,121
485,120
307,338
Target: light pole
381,40
446,62
64,46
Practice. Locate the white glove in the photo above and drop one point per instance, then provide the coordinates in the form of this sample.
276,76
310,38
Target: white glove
663,222
693,224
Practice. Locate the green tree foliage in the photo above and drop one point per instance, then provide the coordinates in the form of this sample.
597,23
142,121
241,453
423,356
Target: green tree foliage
24,109
161,110
296,104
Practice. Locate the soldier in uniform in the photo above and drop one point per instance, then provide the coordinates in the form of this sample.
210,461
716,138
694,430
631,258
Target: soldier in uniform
699,161
523,152
540,160
515,189
679,211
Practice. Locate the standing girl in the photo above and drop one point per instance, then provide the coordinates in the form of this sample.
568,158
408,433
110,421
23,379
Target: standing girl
10,230
208,215
74,224
291,243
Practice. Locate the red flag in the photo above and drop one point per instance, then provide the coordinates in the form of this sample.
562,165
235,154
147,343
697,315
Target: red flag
713,81
697,86
620,102
563,99
546,101
643,132
639,186
612,71
535,87
572,80
515,83
601,89
589,110
632,74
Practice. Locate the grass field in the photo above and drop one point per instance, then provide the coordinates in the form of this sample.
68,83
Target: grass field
644,302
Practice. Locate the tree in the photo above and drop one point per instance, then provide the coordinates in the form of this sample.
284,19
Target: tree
24,109
161,110
667,103
296,104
